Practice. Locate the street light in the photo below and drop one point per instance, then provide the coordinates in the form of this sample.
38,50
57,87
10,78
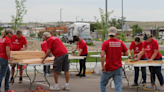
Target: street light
106,18
61,14
76,18
122,15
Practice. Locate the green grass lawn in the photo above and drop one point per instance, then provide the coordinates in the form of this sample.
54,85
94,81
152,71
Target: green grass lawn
93,59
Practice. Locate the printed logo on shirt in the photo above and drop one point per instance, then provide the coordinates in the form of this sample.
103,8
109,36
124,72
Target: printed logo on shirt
2,40
137,49
148,47
53,38
114,44
16,41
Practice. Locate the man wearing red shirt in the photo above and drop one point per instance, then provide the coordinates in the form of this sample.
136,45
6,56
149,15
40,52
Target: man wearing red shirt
5,44
83,51
151,48
136,46
61,62
113,49
17,42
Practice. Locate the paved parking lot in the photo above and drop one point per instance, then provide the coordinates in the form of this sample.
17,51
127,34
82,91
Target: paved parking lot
90,83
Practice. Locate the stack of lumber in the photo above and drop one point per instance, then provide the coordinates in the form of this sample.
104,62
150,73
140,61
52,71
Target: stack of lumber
18,56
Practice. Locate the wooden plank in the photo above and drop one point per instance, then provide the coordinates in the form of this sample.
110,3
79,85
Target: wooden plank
18,56
47,59
142,62
47,62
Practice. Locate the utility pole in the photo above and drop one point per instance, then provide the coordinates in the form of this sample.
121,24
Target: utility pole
106,6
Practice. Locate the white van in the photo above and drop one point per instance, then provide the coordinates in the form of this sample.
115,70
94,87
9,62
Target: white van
81,30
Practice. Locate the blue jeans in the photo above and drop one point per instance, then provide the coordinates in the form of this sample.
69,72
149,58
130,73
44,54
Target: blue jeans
143,70
117,77
156,70
4,72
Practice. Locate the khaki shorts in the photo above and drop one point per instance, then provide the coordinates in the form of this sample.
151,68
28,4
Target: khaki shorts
20,66
61,63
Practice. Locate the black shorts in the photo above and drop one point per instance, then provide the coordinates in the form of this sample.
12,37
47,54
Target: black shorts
61,63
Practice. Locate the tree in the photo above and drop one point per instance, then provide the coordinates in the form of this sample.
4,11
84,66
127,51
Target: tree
93,27
1,30
136,29
20,12
102,24
117,22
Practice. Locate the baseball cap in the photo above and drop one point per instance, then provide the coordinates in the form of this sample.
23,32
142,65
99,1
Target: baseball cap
137,39
112,31
147,35
46,34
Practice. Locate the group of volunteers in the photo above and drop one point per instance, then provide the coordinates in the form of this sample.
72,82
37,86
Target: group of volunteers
50,45
113,49
10,42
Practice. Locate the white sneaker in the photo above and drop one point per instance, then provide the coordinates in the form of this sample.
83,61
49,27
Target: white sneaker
161,88
66,88
55,88
47,74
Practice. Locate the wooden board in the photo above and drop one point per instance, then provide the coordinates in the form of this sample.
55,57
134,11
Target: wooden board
18,56
48,59
142,62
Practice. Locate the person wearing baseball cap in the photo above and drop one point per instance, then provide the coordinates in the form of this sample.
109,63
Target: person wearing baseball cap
113,49
61,62
151,47
136,46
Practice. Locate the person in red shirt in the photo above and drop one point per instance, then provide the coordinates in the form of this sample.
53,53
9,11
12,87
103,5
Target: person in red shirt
83,51
61,62
17,42
46,68
136,46
151,48
5,44
113,49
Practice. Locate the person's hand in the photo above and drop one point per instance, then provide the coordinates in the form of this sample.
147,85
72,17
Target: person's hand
10,62
103,70
42,61
136,57
149,60
22,49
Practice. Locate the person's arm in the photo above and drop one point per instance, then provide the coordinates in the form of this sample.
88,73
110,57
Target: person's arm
102,61
24,48
80,51
126,53
75,48
129,51
141,53
8,54
46,55
153,56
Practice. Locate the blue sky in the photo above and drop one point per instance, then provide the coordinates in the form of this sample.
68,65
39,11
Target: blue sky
49,10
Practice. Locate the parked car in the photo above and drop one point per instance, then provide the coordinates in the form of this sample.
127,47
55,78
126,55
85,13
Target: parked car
163,38
87,38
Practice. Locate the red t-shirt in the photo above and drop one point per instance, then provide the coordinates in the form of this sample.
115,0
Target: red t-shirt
137,49
150,47
44,46
113,49
17,44
82,45
3,43
56,46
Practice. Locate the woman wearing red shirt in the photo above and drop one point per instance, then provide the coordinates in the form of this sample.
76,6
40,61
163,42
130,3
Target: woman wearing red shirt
5,44
151,47
83,51
136,46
